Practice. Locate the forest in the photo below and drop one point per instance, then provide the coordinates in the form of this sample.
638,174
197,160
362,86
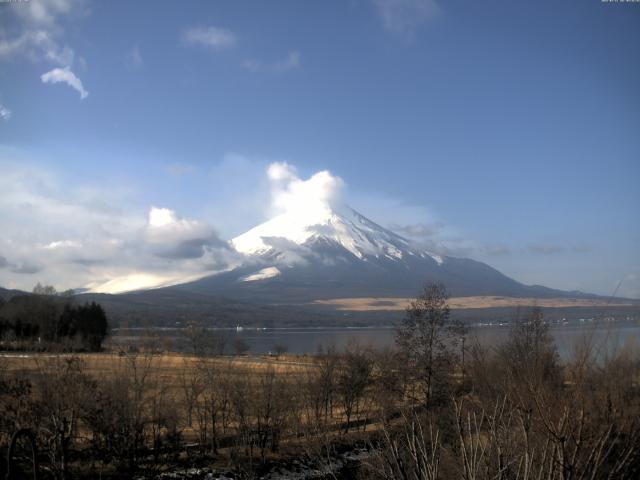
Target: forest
48,321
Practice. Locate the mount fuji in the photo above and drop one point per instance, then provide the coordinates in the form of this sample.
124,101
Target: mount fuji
327,252
318,261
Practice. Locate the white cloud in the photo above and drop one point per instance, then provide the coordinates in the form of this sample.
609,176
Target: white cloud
5,113
171,236
404,17
38,45
211,37
132,281
290,62
65,75
161,217
93,236
289,193
61,244
37,32
281,171
46,12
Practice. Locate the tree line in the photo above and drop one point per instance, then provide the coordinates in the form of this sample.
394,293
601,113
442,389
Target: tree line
48,320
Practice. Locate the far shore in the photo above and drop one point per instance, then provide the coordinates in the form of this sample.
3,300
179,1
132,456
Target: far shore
365,304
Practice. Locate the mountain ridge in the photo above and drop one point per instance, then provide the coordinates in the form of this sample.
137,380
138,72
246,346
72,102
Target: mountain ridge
299,257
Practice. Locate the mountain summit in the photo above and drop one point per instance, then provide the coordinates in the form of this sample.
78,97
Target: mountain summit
346,229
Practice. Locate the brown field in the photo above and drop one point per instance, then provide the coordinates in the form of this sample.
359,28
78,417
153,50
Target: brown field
164,374
365,304
147,412
168,366
267,390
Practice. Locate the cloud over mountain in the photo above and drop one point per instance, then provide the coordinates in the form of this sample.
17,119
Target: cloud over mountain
87,235
173,237
290,193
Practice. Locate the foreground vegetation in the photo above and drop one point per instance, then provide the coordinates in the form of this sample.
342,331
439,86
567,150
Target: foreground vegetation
48,321
437,406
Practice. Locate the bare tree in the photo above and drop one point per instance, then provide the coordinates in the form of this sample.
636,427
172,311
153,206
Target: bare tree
320,388
120,413
391,381
427,337
354,376
530,353
61,388
191,387
213,400
269,410
40,289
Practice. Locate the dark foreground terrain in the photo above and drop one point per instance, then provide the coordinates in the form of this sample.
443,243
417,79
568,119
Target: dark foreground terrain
432,407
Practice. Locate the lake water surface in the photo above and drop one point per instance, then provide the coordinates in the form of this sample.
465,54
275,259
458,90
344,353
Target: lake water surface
606,337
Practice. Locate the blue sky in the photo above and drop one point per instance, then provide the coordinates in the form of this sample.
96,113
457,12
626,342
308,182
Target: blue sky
503,131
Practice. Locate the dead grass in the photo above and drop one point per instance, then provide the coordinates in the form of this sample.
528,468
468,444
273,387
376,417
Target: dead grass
366,304
167,365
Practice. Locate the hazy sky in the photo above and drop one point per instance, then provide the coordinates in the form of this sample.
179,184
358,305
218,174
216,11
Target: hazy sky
135,136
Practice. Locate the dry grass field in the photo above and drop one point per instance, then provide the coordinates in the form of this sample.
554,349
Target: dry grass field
186,383
365,304
169,368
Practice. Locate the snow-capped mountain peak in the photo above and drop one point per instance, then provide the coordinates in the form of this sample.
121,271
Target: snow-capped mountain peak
342,227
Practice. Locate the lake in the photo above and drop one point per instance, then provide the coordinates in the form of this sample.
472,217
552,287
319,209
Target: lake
607,337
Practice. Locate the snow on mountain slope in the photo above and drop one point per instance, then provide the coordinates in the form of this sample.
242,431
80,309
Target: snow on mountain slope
263,274
344,226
